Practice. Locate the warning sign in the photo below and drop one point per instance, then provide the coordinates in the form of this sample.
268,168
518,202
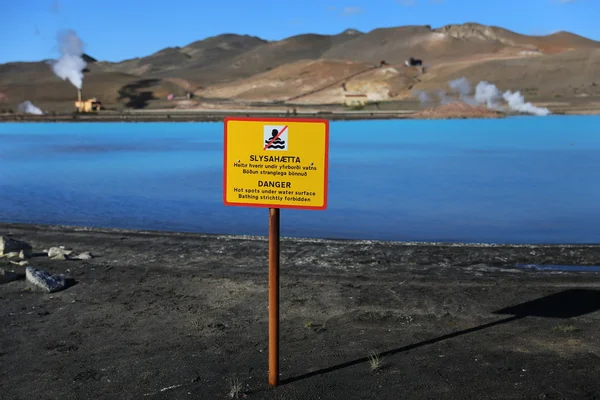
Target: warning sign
278,163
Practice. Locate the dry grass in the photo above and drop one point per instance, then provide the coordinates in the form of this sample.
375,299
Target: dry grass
566,328
235,388
375,362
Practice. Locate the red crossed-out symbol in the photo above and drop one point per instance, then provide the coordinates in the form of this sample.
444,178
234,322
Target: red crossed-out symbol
275,138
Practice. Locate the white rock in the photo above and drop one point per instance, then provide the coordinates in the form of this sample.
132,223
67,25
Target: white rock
57,251
86,255
53,251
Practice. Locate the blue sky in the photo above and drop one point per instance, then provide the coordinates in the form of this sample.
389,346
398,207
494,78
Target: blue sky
114,30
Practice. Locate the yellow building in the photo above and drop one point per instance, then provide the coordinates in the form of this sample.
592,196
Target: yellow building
88,105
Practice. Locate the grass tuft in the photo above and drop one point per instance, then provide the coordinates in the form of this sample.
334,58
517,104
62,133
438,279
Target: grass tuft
196,323
375,362
566,328
235,388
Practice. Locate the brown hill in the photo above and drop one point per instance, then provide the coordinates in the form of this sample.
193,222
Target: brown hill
560,64
274,54
228,57
395,45
451,43
318,82
554,43
301,77
178,61
312,68
574,73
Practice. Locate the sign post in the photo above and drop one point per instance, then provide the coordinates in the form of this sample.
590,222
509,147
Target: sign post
275,163
273,296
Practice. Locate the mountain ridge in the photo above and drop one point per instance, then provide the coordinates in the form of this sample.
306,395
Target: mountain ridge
223,61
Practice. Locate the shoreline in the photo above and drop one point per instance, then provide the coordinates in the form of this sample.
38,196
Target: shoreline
180,117
188,116
8,226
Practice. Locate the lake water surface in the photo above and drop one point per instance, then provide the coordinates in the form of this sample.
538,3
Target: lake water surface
514,180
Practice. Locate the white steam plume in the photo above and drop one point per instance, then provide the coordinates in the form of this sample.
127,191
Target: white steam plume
489,95
28,108
422,96
461,85
70,65
444,99
517,102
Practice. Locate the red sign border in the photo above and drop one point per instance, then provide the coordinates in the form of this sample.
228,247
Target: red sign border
262,119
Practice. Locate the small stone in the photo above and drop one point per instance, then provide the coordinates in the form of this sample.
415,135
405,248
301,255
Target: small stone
54,251
11,255
44,280
8,245
57,251
7,276
86,255
20,263
23,255
59,257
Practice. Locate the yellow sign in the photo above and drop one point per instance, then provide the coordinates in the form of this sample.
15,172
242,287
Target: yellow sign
276,163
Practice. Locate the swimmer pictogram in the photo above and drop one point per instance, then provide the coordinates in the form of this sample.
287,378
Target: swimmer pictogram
275,137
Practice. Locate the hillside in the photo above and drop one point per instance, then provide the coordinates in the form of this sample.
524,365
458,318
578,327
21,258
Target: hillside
322,69
574,73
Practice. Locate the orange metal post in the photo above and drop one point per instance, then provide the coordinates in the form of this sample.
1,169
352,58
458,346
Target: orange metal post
273,296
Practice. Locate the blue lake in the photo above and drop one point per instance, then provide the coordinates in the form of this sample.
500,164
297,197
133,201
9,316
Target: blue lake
515,180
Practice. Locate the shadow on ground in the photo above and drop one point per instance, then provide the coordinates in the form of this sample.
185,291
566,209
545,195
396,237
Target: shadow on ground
136,97
563,305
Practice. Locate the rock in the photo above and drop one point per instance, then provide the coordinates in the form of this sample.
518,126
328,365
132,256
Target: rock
11,255
7,276
54,251
86,255
8,245
24,254
59,257
20,263
44,280
58,251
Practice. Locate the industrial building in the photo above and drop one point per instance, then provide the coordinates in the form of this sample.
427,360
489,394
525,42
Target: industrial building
88,105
